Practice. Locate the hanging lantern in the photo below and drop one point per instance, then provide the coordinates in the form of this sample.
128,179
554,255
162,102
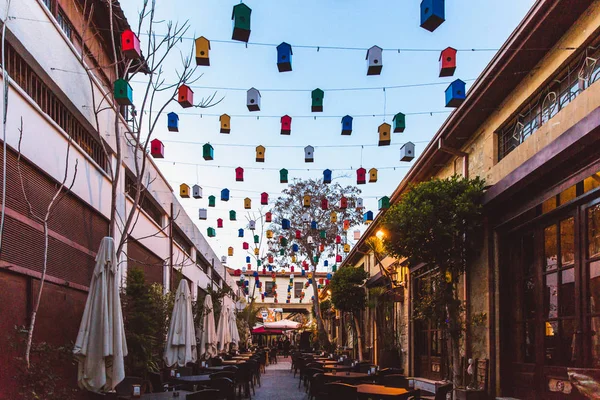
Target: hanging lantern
285,223
347,125
247,203
303,272
374,60
361,176
130,45
232,215
268,216
384,203
292,270
172,122
157,149
324,204
185,96
317,100
253,99
212,201
196,192
432,14
208,153
327,176
456,93
283,175
264,198
225,121
260,153
373,175
384,134
346,248
399,122
219,222
246,246
309,154
225,194
202,213
240,232
286,125
184,191
230,251
264,270
241,22
284,57
202,49
407,151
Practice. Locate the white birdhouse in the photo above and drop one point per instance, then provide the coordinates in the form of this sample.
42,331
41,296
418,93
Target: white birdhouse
356,234
202,213
359,202
374,60
305,217
252,225
309,154
197,192
309,240
253,100
407,151
224,259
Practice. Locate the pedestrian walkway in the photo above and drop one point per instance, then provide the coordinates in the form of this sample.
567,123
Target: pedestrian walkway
279,383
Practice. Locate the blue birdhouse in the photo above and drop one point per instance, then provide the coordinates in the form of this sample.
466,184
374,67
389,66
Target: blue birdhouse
368,217
347,125
285,224
240,232
255,274
247,259
294,247
432,14
303,272
456,93
225,195
270,267
329,275
284,57
326,264
327,176
313,225
173,122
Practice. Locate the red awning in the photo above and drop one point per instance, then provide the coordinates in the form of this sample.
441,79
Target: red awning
262,331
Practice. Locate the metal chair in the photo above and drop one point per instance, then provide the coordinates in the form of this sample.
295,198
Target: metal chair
397,381
340,391
225,386
315,389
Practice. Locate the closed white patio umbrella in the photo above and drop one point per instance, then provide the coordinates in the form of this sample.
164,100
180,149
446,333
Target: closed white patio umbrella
284,324
223,331
180,347
207,333
101,345
234,333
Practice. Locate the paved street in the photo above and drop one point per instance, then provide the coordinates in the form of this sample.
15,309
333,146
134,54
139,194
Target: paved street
279,383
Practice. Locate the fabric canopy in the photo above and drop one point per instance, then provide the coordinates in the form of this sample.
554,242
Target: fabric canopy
180,347
262,331
223,331
101,345
208,334
234,333
284,324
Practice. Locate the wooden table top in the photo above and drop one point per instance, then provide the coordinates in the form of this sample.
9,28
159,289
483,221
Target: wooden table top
379,390
329,362
232,362
193,378
240,358
347,375
161,396
338,367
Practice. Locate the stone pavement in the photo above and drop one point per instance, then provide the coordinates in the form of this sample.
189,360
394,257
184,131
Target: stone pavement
279,383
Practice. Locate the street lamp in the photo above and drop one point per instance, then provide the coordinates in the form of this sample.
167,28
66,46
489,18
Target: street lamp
380,234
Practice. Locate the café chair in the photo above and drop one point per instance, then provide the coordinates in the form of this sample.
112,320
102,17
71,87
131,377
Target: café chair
339,391
225,387
390,371
396,381
125,387
440,393
206,394
315,388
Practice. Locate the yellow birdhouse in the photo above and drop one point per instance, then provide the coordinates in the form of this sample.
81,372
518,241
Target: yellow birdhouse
306,201
230,251
373,175
184,191
202,48
333,217
293,259
247,203
260,153
346,248
384,134
225,123
269,234
256,250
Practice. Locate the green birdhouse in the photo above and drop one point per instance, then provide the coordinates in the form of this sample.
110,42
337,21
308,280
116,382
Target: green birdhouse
281,252
212,200
123,92
232,215
322,234
283,242
208,153
384,203
258,263
211,232
316,259
241,22
256,239
317,100
283,175
334,268
399,122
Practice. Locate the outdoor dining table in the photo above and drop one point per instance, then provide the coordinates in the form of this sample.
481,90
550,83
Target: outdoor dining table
337,368
216,368
159,396
346,376
232,362
240,358
193,379
327,362
379,390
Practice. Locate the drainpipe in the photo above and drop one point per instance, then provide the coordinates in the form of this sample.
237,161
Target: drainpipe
457,153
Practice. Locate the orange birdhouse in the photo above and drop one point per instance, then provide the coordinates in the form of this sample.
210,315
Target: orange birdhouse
447,62
306,201
247,203
239,174
157,149
373,175
346,224
260,153
202,48
264,198
361,176
130,44
225,123
286,125
185,96
384,134
230,251
184,191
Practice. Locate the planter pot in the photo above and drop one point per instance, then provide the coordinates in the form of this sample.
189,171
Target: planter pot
464,394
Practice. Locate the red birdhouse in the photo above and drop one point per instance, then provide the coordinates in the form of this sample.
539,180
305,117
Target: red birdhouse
264,271
338,239
321,281
343,203
327,281
219,222
237,272
286,125
324,204
298,234
270,259
264,198
130,44
292,268
447,62
268,217
239,174
321,247
361,176
157,149
185,97
338,258
245,246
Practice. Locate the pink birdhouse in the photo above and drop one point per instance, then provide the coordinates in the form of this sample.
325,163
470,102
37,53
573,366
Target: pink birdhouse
298,234
239,174
245,246
185,96
157,149
130,44
343,203
448,62
219,222
361,176
338,239
324,204
264,198
338,258
286,125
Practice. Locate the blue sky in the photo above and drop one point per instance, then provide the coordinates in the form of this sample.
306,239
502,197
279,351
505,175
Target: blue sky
341,23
